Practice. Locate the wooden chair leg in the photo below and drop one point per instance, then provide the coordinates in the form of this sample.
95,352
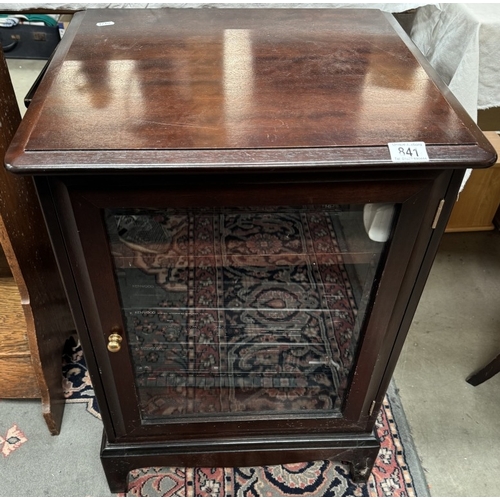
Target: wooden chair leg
485,373
40,294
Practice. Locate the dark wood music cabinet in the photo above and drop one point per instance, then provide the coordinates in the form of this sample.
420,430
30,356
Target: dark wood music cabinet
242,253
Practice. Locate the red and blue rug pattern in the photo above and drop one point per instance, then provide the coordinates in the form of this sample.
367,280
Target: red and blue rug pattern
391,476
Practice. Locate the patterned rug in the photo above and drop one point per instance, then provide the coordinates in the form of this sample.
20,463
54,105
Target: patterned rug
392,475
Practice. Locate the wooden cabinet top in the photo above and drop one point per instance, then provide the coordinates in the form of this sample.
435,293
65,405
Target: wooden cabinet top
173,89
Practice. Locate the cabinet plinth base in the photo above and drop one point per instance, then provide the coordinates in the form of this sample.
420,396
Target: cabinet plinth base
360,450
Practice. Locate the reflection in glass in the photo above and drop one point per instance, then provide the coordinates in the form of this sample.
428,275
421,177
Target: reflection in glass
242,310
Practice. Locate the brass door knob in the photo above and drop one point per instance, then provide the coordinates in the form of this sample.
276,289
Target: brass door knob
114,342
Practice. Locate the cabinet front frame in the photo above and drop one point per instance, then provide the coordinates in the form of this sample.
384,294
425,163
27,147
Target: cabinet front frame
83,199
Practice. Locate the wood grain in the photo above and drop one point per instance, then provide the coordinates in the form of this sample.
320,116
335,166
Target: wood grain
13,337
181,79
213,89
18,378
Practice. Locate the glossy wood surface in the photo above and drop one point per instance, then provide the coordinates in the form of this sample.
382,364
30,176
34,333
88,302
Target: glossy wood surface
188,87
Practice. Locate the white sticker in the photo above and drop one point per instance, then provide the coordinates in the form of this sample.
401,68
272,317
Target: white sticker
106,23
408,152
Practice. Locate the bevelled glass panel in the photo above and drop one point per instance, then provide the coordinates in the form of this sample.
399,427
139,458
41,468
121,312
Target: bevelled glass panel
244,310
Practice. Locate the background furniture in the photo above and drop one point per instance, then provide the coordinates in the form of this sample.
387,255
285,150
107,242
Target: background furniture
35,319
478,202
192,187
485,373
460,40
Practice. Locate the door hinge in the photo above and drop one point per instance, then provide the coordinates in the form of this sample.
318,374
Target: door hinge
372,408
438,214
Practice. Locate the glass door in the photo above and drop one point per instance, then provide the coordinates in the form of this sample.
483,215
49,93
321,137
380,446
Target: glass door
244,310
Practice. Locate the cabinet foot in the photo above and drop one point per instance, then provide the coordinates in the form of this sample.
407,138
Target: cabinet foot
118,459
361,468
116,471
